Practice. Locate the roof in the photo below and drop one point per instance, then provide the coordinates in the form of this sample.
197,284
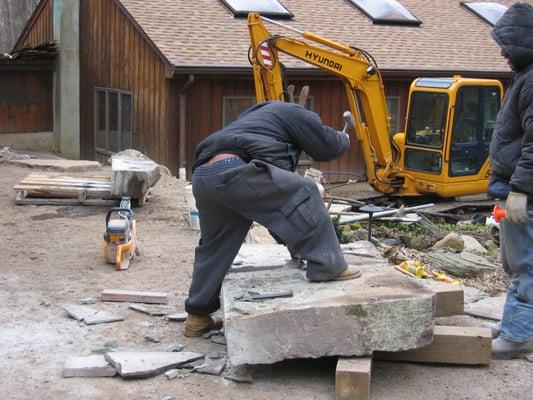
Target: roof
204,33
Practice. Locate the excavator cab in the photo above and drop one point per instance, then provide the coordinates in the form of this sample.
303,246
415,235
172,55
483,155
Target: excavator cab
448,130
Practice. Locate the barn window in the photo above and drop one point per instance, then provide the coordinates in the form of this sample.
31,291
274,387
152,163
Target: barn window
488,11
267,8
112,120
386,12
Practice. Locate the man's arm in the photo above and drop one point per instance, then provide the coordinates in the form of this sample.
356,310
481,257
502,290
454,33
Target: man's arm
319,141
522,178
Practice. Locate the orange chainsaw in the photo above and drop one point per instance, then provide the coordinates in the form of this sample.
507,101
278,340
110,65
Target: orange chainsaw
120,241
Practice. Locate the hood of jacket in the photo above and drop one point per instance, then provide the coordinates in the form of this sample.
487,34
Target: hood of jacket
514,33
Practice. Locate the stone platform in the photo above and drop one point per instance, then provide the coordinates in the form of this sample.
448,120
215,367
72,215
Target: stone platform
383,310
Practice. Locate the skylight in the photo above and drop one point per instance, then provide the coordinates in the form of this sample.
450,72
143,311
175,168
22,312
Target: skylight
267,8
488,11
386,12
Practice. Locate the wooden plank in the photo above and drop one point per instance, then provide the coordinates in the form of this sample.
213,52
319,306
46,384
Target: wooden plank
65,202
133,296
352,378
449,299
451,345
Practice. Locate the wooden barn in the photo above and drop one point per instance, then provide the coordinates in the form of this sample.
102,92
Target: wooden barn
160,75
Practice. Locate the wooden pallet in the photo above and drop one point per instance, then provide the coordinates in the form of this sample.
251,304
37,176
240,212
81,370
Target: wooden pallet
64,190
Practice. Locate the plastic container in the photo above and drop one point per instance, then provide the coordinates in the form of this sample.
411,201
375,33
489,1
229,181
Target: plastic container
194,220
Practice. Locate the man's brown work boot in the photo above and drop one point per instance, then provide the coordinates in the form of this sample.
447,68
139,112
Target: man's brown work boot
197,325
351,272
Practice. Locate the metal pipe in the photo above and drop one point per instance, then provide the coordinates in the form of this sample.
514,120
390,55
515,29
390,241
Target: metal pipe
383,214
182,126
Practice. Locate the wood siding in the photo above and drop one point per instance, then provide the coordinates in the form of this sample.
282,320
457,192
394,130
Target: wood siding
204,115
40,28
114,54
26,101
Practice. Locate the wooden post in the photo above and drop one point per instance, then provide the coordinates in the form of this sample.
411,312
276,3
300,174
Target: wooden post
352,378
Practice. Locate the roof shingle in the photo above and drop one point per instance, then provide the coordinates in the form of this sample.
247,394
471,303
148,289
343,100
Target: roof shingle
205,33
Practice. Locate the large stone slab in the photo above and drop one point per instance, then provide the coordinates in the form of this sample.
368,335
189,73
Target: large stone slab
133,174
382,310
129,364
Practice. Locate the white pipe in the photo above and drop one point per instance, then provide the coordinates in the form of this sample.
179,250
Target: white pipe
383,213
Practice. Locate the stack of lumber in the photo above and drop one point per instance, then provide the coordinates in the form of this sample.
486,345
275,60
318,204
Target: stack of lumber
59,189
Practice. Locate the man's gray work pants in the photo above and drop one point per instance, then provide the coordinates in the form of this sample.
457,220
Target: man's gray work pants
230,195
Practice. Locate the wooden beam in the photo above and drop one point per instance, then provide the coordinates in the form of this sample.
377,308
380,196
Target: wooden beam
352,378
451,345
134,296
449,299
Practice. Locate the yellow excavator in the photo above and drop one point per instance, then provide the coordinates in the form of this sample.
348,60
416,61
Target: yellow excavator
443,150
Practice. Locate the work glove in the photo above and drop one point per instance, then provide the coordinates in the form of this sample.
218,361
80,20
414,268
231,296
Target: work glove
516,207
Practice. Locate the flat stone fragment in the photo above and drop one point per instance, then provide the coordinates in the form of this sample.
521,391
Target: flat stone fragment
529,357
255,256
90,367
179,317
490,307
142,364
240,374
383,309
88,300
172,373
211,366
175,347
89,315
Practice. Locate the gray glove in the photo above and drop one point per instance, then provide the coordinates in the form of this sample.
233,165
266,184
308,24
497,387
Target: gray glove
516,207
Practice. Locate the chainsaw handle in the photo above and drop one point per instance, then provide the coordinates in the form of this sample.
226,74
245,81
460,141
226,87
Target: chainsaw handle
117,210
499,213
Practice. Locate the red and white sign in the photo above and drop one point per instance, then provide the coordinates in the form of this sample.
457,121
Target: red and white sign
265,55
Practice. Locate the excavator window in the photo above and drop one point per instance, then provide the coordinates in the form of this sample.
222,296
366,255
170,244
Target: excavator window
427,120
475,112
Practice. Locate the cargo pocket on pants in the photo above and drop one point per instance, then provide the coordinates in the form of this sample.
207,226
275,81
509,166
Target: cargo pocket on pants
301,211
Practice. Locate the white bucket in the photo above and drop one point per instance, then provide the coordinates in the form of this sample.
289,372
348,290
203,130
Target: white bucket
194,220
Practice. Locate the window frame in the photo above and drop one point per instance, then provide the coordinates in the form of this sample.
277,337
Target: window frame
467,5
241,13
388,21
235,97
120,93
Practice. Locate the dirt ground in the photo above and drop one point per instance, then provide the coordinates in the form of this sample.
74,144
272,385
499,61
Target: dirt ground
52,255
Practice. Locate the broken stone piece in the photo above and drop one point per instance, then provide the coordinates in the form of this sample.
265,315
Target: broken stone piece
88,300
88,367
89,315
175,347
172,373
179,317
211,366
219,339
240,374
152,338
129,364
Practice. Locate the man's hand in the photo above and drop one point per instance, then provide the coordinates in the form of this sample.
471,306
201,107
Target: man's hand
516,207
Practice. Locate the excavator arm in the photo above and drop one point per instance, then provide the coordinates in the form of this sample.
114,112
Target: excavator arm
356,69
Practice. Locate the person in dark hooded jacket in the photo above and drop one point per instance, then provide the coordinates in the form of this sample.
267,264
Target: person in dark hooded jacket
244,173
511,153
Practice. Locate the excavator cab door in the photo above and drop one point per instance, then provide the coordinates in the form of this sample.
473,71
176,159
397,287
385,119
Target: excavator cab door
475,113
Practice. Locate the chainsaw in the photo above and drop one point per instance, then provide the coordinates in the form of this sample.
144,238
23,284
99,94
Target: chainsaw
120,241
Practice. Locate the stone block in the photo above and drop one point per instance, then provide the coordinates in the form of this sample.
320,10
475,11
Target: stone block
382,310
142,364
133,174
89,367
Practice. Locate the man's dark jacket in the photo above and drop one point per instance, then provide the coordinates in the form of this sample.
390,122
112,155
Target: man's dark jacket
274,132
511,149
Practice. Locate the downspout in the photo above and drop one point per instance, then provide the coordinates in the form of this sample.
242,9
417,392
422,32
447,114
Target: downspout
182,173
